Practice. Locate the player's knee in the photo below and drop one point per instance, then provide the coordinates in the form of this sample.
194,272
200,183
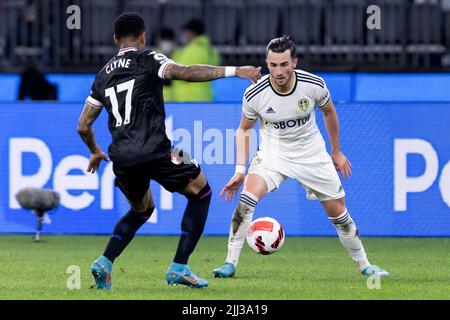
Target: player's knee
131,222
335,207
339,205
256,185
144,215
203,195
145,205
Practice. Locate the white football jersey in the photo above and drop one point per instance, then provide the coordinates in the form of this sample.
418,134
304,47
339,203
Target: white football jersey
287,122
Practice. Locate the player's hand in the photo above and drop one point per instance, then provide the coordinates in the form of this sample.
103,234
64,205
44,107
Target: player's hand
342,164
231,188
249,72
94,161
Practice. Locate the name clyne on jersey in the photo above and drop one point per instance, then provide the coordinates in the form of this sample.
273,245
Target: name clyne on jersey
121,63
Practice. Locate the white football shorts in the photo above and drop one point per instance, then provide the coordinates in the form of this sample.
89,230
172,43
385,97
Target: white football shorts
318,177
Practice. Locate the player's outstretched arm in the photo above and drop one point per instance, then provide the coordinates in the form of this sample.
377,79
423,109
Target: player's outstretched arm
86,132
201,72
243,136
332,124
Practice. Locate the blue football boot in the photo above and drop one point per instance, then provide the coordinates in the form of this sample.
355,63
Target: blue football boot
182,274
101,270
374,270
226,271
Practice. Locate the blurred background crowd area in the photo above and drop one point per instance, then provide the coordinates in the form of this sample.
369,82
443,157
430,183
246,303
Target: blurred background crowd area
331,35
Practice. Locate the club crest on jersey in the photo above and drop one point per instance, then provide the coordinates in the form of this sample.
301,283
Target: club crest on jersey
303,104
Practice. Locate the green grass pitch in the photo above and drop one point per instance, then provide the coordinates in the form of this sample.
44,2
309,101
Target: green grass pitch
305,268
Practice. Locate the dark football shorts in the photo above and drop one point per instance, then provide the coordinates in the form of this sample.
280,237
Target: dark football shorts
173,171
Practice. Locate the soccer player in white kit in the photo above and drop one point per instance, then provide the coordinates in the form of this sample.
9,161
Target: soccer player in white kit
291,146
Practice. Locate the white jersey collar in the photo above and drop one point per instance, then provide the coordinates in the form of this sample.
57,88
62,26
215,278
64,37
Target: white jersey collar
123,50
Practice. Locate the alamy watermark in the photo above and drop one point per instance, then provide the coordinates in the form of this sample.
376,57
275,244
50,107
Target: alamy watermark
374,282
73,21
373,21
73,281
218,146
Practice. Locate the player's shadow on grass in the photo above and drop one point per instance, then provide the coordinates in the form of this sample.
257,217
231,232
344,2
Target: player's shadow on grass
40,241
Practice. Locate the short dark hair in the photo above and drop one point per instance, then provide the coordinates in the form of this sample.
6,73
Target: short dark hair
128,24
280,45
196,26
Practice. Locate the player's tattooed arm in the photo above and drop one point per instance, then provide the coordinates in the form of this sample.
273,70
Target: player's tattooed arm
195,73
87,118
201,72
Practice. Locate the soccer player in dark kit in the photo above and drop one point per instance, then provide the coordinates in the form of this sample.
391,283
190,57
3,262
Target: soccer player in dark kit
129,87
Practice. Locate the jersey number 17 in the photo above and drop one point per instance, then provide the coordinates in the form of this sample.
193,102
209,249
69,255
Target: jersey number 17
111,93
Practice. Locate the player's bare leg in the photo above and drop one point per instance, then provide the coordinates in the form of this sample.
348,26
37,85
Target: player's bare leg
349,236
196,185
143,205
124,231
198,194
255,188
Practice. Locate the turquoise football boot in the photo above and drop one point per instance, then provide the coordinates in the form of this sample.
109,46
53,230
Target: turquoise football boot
101,270
374,270
182,274
226,271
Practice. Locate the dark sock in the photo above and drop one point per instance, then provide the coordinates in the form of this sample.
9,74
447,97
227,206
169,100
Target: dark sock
124,232
193,222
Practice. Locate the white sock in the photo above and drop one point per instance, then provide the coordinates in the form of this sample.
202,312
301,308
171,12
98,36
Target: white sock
349,236
240,222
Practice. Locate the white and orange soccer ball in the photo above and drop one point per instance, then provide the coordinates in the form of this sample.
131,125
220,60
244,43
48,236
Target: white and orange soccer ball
265,235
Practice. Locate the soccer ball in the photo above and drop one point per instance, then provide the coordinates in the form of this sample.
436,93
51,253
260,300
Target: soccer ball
265,235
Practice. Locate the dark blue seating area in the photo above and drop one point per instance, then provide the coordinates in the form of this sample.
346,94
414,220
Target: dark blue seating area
331,34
